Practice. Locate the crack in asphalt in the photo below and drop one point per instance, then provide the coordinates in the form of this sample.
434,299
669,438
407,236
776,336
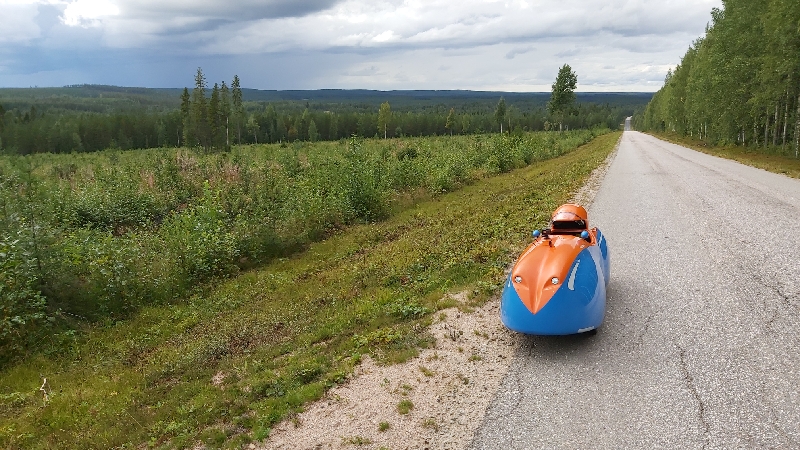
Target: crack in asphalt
640,337
701,406
786,299
776,288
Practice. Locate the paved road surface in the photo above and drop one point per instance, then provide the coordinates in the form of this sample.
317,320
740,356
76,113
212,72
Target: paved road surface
701,343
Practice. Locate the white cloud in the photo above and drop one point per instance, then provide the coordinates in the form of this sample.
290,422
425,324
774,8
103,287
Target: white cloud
17,21
88,13
397,44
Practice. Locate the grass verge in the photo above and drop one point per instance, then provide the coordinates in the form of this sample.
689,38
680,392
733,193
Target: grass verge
755,157
226,365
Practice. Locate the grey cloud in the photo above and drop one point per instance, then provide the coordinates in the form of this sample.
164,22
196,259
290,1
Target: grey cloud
568,53
215,9
364,72
436,44
194,26
519,51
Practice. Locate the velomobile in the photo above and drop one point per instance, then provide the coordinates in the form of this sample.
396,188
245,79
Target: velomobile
558,284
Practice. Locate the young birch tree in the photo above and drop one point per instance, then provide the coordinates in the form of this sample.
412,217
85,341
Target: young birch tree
384,116
450,121
500,112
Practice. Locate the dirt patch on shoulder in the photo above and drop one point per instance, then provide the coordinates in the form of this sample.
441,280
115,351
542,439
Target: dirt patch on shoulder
446,390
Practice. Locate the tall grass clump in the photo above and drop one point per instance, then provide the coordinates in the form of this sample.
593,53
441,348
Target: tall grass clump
90,238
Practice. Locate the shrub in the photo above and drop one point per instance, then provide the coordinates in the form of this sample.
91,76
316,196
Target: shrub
200,240
22,305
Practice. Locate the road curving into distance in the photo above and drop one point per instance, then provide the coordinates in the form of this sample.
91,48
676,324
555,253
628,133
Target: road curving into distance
701,343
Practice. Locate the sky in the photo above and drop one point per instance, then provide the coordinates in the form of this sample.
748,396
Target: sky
512,46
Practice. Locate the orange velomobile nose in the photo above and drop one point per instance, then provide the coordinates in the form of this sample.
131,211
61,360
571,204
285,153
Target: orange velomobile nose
543,268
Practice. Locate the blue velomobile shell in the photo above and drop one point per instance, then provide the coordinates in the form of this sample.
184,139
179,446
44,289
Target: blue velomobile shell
566,295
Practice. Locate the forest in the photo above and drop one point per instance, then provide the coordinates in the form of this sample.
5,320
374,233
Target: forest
738,84
92,118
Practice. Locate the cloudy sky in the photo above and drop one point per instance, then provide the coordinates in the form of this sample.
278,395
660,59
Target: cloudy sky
627,45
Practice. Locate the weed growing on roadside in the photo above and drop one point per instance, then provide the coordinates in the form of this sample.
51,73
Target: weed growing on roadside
430,423
405,406
356,440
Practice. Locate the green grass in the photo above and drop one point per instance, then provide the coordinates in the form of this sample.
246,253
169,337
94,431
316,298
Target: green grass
283,334
772,159
356,440
405,406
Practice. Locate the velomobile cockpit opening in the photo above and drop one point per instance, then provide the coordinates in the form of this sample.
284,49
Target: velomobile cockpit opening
569,219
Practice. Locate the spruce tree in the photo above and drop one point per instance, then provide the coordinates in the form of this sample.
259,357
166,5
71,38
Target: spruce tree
225,112
214,112
186,117
200,110
238,106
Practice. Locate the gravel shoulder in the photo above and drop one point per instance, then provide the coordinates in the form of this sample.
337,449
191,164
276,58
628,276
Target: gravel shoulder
450,384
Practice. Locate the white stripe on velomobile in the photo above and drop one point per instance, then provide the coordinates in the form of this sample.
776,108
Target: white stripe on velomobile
571,283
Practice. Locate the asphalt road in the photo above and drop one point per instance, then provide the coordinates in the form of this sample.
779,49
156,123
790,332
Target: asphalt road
701,342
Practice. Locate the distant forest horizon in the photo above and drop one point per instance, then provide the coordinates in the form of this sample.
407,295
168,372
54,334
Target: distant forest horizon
323,94
87,118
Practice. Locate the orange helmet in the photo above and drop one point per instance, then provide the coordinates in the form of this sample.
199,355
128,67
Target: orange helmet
570,217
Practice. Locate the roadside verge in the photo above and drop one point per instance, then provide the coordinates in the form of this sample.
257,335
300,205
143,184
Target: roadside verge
436,400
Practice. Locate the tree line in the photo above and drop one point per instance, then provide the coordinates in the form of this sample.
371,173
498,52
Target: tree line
217,117
740,83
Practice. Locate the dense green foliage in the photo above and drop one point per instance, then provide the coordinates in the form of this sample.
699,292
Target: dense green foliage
99,235
740,83
93,118
277,337
562,99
